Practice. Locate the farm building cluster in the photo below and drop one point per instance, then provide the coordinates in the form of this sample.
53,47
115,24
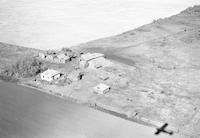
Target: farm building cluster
57,57
93,61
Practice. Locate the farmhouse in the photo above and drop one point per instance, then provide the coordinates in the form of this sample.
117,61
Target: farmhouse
50,75
101,88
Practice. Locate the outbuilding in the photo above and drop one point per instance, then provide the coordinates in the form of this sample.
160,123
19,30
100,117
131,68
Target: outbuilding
62,58
104,76
75,75
50,57
90,56
83,64
101,88
50,75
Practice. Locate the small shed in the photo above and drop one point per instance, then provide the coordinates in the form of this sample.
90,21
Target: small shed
56,59
62,58
75,75
101,88
83,64
104,76
50,75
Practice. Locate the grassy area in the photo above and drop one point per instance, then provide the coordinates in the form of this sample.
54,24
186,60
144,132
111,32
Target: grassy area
23,68
10,54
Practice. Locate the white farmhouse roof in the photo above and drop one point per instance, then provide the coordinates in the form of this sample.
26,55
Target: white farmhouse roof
90,56
51,72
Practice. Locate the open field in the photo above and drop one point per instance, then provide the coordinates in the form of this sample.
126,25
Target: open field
165,55
53,24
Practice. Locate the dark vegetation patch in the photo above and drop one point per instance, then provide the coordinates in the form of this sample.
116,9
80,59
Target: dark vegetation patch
23,68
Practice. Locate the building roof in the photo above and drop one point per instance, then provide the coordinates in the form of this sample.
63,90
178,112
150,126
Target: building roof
101,87
103,75
99,62
61,56
74,74
90,56
51,72
40,53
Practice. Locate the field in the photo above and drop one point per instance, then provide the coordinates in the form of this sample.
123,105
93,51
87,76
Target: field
165,81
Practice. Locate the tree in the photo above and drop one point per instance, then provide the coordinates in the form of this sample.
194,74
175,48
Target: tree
24,68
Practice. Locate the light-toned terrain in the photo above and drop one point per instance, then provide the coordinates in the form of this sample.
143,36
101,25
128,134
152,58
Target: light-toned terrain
52,24
165,54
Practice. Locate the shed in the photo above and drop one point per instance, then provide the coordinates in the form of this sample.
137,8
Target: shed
50,75
101,88
62,58
83,64
50,57
104,76
75,75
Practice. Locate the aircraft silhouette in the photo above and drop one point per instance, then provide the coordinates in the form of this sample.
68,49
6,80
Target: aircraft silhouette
163,129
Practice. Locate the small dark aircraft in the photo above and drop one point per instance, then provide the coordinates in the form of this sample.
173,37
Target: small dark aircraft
163,129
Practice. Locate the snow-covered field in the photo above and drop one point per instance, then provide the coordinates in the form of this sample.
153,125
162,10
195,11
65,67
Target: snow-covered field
48,24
